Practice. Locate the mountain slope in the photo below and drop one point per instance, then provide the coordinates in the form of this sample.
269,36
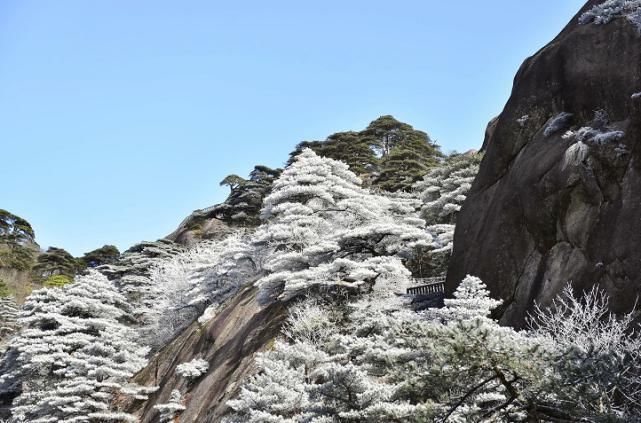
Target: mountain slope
227,343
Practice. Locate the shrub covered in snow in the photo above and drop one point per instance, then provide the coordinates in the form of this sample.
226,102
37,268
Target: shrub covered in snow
557,123
600,134
523,120
597,354
171,409
575,154
591,135
193,369
608,10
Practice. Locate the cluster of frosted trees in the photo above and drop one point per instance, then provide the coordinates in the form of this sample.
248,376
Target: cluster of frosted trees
74,352
132,277
321,232
79,345
373,360
195,282
441,194
352,350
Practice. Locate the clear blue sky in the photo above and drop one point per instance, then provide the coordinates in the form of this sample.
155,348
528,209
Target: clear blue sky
120,117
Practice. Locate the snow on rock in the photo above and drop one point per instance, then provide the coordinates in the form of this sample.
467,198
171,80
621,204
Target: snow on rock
605,12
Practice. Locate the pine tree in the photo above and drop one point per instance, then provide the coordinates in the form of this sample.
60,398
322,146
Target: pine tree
406,154
471,302
242,206
444,189
171,410
323,230
405,164
349,147
192,369
194,283
73,353
130,275
14,229
107,254
56,261
388,154
18,248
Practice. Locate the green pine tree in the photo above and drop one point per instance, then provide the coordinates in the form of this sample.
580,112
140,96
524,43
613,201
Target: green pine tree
56,261
406,153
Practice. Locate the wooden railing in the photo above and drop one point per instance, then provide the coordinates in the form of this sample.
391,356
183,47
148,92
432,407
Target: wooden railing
429,286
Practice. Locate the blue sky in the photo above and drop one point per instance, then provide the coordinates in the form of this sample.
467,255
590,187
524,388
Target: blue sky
118,118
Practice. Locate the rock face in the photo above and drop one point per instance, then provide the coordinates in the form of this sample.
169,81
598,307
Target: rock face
228,343
547,208
201,224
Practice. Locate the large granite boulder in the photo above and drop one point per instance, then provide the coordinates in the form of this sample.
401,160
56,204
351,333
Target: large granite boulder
558,196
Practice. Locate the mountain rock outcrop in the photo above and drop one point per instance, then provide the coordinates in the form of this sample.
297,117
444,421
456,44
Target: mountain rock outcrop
227,342
558,196
201,224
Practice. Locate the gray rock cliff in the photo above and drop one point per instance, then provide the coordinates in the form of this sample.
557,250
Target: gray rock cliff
551,207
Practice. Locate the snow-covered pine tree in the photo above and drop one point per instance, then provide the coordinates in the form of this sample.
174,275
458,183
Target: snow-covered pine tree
74,353
482,370
172,409
192,369
279,392
443,190
442,193
471,302
323,229
196,280
131,276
